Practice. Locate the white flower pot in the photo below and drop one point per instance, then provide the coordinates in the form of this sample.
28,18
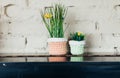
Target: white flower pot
76,47
57,46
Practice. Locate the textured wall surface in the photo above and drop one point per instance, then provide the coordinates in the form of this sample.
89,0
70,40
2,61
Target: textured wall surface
22,30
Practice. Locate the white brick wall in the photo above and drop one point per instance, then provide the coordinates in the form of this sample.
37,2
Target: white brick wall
22,30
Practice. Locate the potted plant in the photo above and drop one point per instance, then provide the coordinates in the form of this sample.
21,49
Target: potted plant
77,42
53,18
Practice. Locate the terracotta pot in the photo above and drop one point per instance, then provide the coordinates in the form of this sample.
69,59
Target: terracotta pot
57,46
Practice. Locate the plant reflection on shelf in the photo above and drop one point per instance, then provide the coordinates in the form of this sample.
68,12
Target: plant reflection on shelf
58,59
66,59
76,59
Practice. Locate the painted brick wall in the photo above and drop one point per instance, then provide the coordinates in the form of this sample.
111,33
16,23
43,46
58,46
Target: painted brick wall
22,30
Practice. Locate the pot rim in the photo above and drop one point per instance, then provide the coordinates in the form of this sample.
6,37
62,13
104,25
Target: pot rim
73,42
56,40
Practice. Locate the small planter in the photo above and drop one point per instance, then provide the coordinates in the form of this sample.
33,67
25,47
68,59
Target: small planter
76,47
57,46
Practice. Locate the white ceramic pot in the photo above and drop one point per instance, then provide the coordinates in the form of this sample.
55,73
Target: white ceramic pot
76,47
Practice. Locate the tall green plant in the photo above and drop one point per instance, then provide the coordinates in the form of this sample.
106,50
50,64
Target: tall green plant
53,18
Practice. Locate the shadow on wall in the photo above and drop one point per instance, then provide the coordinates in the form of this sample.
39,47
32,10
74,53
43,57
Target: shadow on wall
70,22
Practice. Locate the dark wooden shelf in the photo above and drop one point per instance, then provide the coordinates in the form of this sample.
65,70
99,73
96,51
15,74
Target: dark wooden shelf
4,56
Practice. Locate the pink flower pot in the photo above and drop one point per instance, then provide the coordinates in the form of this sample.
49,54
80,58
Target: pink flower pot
57,46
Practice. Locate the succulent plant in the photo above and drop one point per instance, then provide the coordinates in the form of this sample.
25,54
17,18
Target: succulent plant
78,36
